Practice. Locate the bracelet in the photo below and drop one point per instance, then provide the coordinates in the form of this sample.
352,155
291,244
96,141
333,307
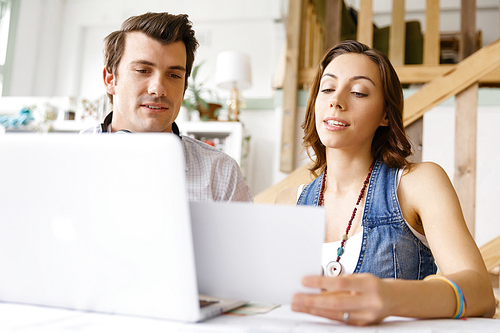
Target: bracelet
461,304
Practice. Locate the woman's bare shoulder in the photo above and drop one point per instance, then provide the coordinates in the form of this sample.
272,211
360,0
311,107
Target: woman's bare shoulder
425,172
426,183
287,196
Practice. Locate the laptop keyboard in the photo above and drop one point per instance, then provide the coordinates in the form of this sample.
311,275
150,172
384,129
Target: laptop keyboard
204,302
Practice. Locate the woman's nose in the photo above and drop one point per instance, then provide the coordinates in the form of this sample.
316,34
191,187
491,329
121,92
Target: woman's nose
337,101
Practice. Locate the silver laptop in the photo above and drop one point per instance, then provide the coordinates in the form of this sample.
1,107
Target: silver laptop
102,223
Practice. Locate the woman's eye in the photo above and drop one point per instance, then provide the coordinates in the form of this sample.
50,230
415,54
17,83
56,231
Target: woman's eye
358,94
327,90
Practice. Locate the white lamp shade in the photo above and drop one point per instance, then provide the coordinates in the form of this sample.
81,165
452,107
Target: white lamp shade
233,70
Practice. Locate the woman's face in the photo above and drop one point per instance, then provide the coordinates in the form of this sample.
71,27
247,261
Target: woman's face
350,103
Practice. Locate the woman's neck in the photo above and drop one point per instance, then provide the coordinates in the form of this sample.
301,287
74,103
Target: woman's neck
345,171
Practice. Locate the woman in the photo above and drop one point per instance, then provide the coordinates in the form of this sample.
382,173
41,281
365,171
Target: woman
387,219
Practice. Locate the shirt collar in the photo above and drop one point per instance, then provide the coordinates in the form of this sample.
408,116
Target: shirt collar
105,126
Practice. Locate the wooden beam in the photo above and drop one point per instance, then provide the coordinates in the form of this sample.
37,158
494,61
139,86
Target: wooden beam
397,33
290,85
413,74
431,37
491,253
454,81
465,152
365,23
423,74
333,22
301,175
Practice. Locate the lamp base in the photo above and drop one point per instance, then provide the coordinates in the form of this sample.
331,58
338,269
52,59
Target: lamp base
234,105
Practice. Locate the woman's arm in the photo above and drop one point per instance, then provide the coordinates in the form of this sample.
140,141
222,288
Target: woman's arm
427,197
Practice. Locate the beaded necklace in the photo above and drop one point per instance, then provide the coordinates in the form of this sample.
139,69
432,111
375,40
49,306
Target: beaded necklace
334,268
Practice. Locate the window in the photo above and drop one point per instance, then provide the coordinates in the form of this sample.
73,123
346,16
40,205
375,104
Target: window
5,16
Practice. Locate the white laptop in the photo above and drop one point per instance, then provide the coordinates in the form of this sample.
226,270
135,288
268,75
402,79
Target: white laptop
102,223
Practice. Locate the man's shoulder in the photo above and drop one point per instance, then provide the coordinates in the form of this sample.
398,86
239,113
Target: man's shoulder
92,130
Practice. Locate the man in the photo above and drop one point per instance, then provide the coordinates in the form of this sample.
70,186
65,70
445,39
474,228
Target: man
147,65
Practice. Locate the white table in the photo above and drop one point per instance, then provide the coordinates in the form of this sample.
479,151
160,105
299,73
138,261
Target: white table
34,319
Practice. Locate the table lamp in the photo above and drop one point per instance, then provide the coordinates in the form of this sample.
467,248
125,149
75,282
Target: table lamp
233,73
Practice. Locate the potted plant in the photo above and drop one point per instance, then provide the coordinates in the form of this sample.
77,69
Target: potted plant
194,100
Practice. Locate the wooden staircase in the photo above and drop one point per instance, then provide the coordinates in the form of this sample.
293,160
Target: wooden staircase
309,34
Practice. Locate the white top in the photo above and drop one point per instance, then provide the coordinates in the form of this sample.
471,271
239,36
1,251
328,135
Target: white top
352,247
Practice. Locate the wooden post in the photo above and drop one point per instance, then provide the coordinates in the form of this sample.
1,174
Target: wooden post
308,35
465,153
415,132
466,123
365,23
397,33
290,85
467,29
431,38
333,23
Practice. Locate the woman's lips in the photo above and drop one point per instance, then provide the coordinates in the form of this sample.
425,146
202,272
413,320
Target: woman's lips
335,124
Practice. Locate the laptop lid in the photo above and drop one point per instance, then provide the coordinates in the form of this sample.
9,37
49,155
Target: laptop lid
98,223
256,252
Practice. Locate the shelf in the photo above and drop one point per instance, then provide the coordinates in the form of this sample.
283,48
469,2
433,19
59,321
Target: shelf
226,136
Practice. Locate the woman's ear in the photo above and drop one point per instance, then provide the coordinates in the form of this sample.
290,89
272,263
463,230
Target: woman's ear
384,121
109,81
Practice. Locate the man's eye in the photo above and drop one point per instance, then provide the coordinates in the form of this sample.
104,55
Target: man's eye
176,76
142,71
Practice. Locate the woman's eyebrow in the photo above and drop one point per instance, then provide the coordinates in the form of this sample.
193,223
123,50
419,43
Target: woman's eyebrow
354,78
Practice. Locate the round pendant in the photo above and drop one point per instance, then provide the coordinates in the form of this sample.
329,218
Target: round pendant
333,268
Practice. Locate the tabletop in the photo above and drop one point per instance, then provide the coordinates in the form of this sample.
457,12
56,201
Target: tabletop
34,319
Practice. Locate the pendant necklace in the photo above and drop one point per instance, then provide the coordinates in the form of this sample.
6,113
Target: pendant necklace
334,268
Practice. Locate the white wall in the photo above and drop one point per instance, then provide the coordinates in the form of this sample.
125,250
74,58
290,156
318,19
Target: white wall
36,48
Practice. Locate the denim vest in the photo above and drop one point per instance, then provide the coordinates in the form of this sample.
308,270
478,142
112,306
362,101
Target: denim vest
389,248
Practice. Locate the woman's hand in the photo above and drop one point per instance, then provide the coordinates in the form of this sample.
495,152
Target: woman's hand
358,299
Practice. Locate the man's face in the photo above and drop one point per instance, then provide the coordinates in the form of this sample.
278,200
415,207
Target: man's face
148,86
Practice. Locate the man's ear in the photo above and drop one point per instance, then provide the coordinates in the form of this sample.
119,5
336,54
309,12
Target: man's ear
109,81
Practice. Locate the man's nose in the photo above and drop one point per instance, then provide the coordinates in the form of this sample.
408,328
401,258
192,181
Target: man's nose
157,87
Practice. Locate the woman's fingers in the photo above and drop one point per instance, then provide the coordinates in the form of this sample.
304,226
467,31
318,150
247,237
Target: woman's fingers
357,299
341,307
